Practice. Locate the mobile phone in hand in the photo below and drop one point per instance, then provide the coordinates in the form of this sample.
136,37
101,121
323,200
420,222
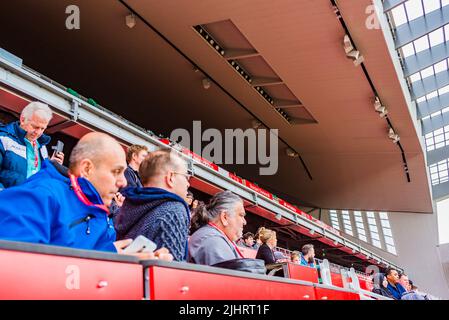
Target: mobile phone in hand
59,147
140,244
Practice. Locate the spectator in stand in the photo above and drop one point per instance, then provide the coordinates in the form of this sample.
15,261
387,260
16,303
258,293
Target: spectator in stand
69,208
395,288
280,257
189,199
269,242
134,157
403,280
308,255
195,204
248,240
158,210
220,224
380,284
23,145
257,242
196,220
295,257
410,285
414,294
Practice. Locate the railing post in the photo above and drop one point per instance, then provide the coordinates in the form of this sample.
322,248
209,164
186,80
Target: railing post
325,272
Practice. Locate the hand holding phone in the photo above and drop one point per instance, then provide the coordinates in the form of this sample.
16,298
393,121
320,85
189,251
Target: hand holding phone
58,155
140,244
59,147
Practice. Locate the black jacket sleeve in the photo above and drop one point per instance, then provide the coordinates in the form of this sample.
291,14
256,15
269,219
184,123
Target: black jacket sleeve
266,254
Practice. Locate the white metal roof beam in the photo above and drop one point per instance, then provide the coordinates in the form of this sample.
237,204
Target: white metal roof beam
421,26
391,4
435,123
437,155
430,84
426,58
433,105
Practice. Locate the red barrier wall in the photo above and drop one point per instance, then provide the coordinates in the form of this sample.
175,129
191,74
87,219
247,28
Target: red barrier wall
25,275
176,284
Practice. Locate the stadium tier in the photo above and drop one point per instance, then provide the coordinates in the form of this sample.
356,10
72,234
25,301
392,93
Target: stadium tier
224,150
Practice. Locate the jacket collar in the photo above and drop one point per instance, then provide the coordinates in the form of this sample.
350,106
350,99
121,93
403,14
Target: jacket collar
59,172
150,194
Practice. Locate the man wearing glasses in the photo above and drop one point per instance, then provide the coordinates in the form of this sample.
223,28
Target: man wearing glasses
158,209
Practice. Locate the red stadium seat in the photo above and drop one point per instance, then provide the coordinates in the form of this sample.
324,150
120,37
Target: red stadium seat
299,272
337,279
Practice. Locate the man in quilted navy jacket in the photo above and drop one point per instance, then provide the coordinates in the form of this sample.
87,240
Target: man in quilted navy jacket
23,145
158,210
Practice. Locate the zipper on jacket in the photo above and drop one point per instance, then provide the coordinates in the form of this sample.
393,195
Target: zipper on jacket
86,219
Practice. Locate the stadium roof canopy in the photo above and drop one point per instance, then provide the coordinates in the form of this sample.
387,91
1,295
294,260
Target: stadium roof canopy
293,50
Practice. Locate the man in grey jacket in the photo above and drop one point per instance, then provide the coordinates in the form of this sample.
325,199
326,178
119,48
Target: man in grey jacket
221,222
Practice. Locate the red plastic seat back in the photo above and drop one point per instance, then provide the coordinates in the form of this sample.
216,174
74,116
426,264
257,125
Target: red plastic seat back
300,272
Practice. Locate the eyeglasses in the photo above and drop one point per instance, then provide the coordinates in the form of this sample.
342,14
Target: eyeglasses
186,175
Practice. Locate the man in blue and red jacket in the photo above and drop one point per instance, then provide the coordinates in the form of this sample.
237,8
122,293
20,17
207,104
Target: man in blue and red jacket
23,145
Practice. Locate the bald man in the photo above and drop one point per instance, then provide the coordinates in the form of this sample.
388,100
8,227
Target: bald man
69,208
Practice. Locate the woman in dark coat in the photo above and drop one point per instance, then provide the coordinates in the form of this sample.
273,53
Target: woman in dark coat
380,285
269,242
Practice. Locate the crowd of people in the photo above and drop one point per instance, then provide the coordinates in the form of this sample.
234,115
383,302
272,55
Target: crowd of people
397,286
105,198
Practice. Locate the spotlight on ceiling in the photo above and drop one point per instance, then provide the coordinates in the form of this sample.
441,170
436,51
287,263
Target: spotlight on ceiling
380,108
336,242
312,232
206,83
393,136
351,52
130,21
291,153
278,216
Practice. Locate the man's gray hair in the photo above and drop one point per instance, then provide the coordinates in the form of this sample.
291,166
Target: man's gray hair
222,201
38,108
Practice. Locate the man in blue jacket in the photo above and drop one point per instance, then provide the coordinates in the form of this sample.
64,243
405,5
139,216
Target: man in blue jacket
395,288
308,255
23,145
69,208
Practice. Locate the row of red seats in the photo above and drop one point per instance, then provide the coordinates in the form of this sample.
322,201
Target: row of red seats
299,272
31,271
